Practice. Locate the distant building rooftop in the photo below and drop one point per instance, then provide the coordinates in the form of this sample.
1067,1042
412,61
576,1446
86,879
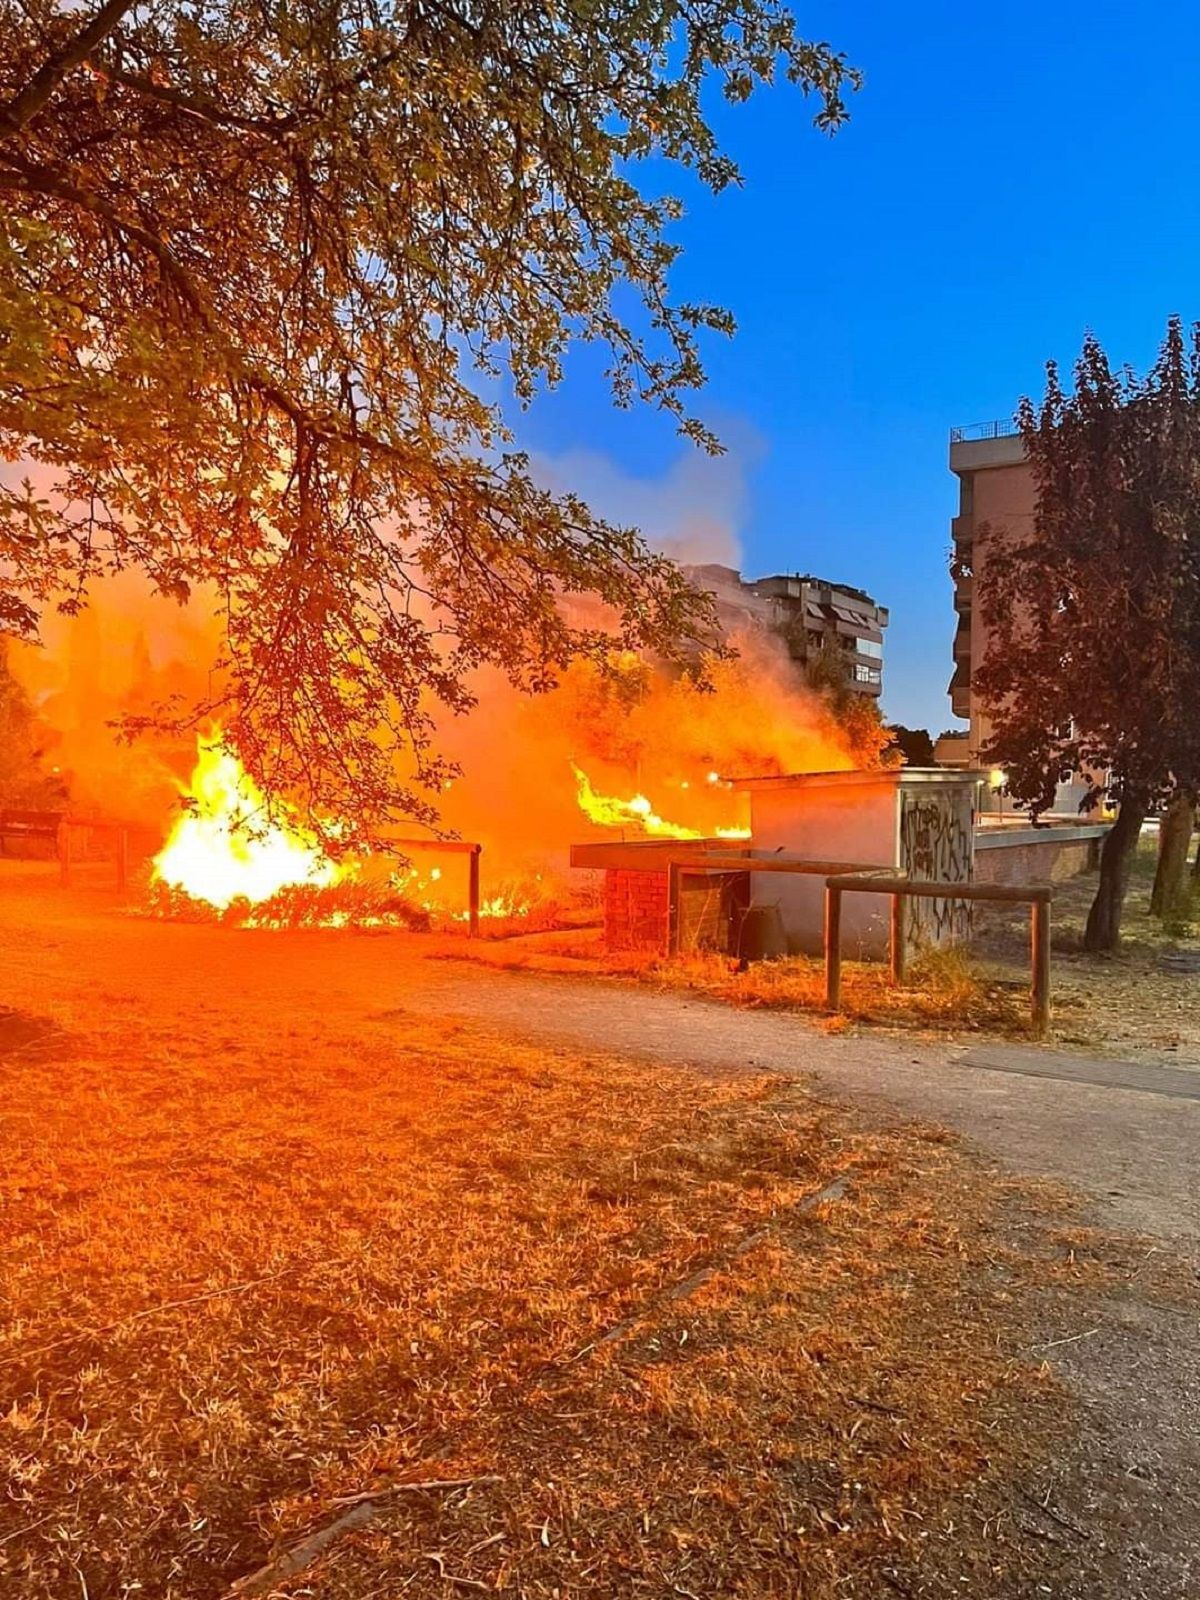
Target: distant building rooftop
1004,428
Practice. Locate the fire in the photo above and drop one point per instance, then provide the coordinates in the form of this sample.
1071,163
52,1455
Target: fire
609,811
223,848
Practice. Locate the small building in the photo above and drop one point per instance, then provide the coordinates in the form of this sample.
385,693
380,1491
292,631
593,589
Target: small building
952,749
814,617
917,820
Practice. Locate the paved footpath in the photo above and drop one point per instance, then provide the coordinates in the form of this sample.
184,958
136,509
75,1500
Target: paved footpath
1128,1134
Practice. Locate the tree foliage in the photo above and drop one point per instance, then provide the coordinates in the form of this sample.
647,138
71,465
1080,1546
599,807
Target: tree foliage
914,744
857,716
27,781
262,265
1095,666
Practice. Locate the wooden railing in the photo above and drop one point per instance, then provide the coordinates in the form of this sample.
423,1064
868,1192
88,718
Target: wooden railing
855,878
461,847
1036,895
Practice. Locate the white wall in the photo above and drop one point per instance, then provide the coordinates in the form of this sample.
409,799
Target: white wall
848,822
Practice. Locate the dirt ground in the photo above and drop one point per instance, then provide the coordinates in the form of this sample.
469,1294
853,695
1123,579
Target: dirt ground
286,1234
1143,1003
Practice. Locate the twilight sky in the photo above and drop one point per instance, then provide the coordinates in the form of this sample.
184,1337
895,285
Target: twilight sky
1011,175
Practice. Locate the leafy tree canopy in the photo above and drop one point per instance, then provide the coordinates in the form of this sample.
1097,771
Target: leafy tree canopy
1096,666
914,744
261,264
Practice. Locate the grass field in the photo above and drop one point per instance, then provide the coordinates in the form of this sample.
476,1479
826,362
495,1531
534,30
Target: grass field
275,1250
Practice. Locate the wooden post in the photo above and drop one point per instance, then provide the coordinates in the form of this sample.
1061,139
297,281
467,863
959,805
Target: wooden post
899,949
674,907
1039,955
122,859
64,854
473,892
833,949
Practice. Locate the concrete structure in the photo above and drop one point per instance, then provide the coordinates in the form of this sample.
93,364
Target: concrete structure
952,749
812,616
996,502
1012,853
921,820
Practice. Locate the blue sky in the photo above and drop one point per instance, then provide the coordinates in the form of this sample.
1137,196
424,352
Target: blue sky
1011,176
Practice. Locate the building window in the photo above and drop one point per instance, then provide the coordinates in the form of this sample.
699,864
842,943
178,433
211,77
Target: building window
868,647
865,674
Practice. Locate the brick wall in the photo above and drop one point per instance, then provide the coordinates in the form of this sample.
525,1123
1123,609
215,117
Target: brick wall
635,909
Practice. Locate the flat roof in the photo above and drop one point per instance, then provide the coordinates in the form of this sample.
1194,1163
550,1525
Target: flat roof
862,776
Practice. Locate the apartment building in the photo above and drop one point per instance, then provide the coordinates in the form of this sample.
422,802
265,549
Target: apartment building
813,617
997,500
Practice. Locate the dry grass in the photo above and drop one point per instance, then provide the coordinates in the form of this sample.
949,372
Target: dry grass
945,989
271,1243
1143,1003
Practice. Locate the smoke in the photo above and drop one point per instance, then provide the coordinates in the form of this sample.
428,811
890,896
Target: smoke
642,731
645,730
693,512
128,650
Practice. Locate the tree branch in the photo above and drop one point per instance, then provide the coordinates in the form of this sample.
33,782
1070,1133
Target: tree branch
23,107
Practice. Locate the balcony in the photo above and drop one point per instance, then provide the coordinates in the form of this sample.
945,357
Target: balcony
960,690
964,594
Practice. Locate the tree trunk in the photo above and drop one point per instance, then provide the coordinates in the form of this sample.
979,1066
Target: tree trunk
1103,930
1170,893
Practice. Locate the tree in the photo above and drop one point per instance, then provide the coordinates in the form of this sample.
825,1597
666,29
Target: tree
914,744
1170,895
1097,669
856,716
25,780
259,263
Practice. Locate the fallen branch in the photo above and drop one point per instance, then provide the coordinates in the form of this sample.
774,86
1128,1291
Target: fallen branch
1072,1338
363,1508
688,1286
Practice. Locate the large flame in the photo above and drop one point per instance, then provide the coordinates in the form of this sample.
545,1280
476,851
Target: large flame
223,848
609,811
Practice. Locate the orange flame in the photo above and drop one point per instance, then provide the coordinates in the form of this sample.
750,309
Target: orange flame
609,811
223,848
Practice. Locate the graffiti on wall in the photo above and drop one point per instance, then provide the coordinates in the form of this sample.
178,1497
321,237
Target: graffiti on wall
937,840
